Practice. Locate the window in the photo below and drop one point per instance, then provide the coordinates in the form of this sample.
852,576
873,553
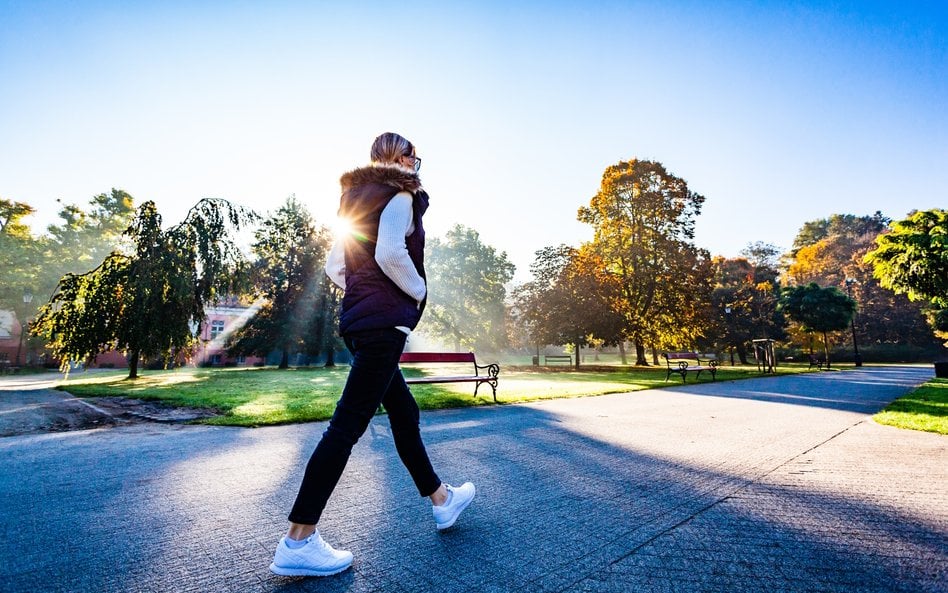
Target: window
241,359
217,328
216,359
6,324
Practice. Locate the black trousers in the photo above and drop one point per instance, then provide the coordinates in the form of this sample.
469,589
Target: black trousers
374,379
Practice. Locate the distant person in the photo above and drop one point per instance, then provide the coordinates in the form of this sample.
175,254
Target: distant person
380,265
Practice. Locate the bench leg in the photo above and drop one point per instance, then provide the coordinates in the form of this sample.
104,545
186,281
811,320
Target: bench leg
493,386
713,373
683,375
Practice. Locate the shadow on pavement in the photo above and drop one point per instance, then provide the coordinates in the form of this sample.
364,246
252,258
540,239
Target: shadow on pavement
593,498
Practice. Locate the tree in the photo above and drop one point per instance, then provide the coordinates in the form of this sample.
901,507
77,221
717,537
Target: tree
466,290
912,259
818,309
19,255
146,301
643,219
839,254
744,303
570,300
848,225
288,274
84,237
762,255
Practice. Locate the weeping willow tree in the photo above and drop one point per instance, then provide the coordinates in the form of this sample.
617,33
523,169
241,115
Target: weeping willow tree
145,302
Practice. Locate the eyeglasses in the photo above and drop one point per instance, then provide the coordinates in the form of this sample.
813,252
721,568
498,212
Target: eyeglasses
416,161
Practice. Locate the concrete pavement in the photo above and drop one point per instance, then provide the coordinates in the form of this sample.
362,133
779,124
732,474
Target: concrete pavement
776,484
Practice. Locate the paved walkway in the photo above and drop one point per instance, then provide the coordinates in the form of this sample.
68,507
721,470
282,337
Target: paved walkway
767,485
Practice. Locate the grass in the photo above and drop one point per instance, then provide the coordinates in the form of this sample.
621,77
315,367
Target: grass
264,396
926,409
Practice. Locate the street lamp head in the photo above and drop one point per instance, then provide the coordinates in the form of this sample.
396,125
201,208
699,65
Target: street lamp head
27,297
851,281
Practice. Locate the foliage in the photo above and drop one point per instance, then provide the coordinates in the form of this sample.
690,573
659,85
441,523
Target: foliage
643,219
466,290
570,300
145,303
762,255
837,256
838,225
912,259
299,300
19,256
34,265
85,236
818,309
744,304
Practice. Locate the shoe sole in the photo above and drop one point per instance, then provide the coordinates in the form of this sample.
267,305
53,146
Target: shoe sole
454,519
305,572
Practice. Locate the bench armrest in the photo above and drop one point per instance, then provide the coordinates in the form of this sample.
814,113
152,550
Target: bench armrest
493,369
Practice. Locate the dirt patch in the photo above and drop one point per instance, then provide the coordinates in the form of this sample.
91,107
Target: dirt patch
32,411
138,410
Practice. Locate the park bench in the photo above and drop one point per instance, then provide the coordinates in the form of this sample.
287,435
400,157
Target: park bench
815,362
683,364
490,376
558,358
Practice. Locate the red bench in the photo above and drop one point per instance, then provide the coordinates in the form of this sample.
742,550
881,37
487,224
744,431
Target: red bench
490,376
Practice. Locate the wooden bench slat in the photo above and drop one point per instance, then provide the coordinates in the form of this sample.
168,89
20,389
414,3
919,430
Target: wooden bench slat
492,370
437,357
444,379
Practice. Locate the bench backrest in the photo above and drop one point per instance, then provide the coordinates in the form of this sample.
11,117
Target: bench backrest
680,355
670,356
437,357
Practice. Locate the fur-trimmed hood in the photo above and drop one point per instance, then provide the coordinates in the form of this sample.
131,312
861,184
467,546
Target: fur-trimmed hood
383,174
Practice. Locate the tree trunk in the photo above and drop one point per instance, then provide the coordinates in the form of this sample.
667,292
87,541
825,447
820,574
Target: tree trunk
742,352
133,365
578,353
622,354
826,350
330,357
285,359
640,355
654,355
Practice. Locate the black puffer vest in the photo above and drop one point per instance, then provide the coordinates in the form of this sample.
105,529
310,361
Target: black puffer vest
372,300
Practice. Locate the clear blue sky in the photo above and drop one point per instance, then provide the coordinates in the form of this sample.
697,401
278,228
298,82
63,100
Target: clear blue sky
777,112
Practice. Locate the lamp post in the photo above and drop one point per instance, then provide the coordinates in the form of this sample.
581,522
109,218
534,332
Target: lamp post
852,322
27,299
730,345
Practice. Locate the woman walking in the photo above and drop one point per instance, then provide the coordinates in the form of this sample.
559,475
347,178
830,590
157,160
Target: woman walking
380,265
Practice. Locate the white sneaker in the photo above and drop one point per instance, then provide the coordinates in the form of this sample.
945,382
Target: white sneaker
315,559
458,499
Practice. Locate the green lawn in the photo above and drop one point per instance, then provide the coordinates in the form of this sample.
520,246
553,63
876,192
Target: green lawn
262,396
926,409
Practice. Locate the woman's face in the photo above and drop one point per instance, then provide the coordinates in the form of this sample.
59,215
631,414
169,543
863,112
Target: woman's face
410,161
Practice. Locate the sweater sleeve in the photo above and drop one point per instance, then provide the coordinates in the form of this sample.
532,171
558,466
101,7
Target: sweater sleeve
336,264
391,252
